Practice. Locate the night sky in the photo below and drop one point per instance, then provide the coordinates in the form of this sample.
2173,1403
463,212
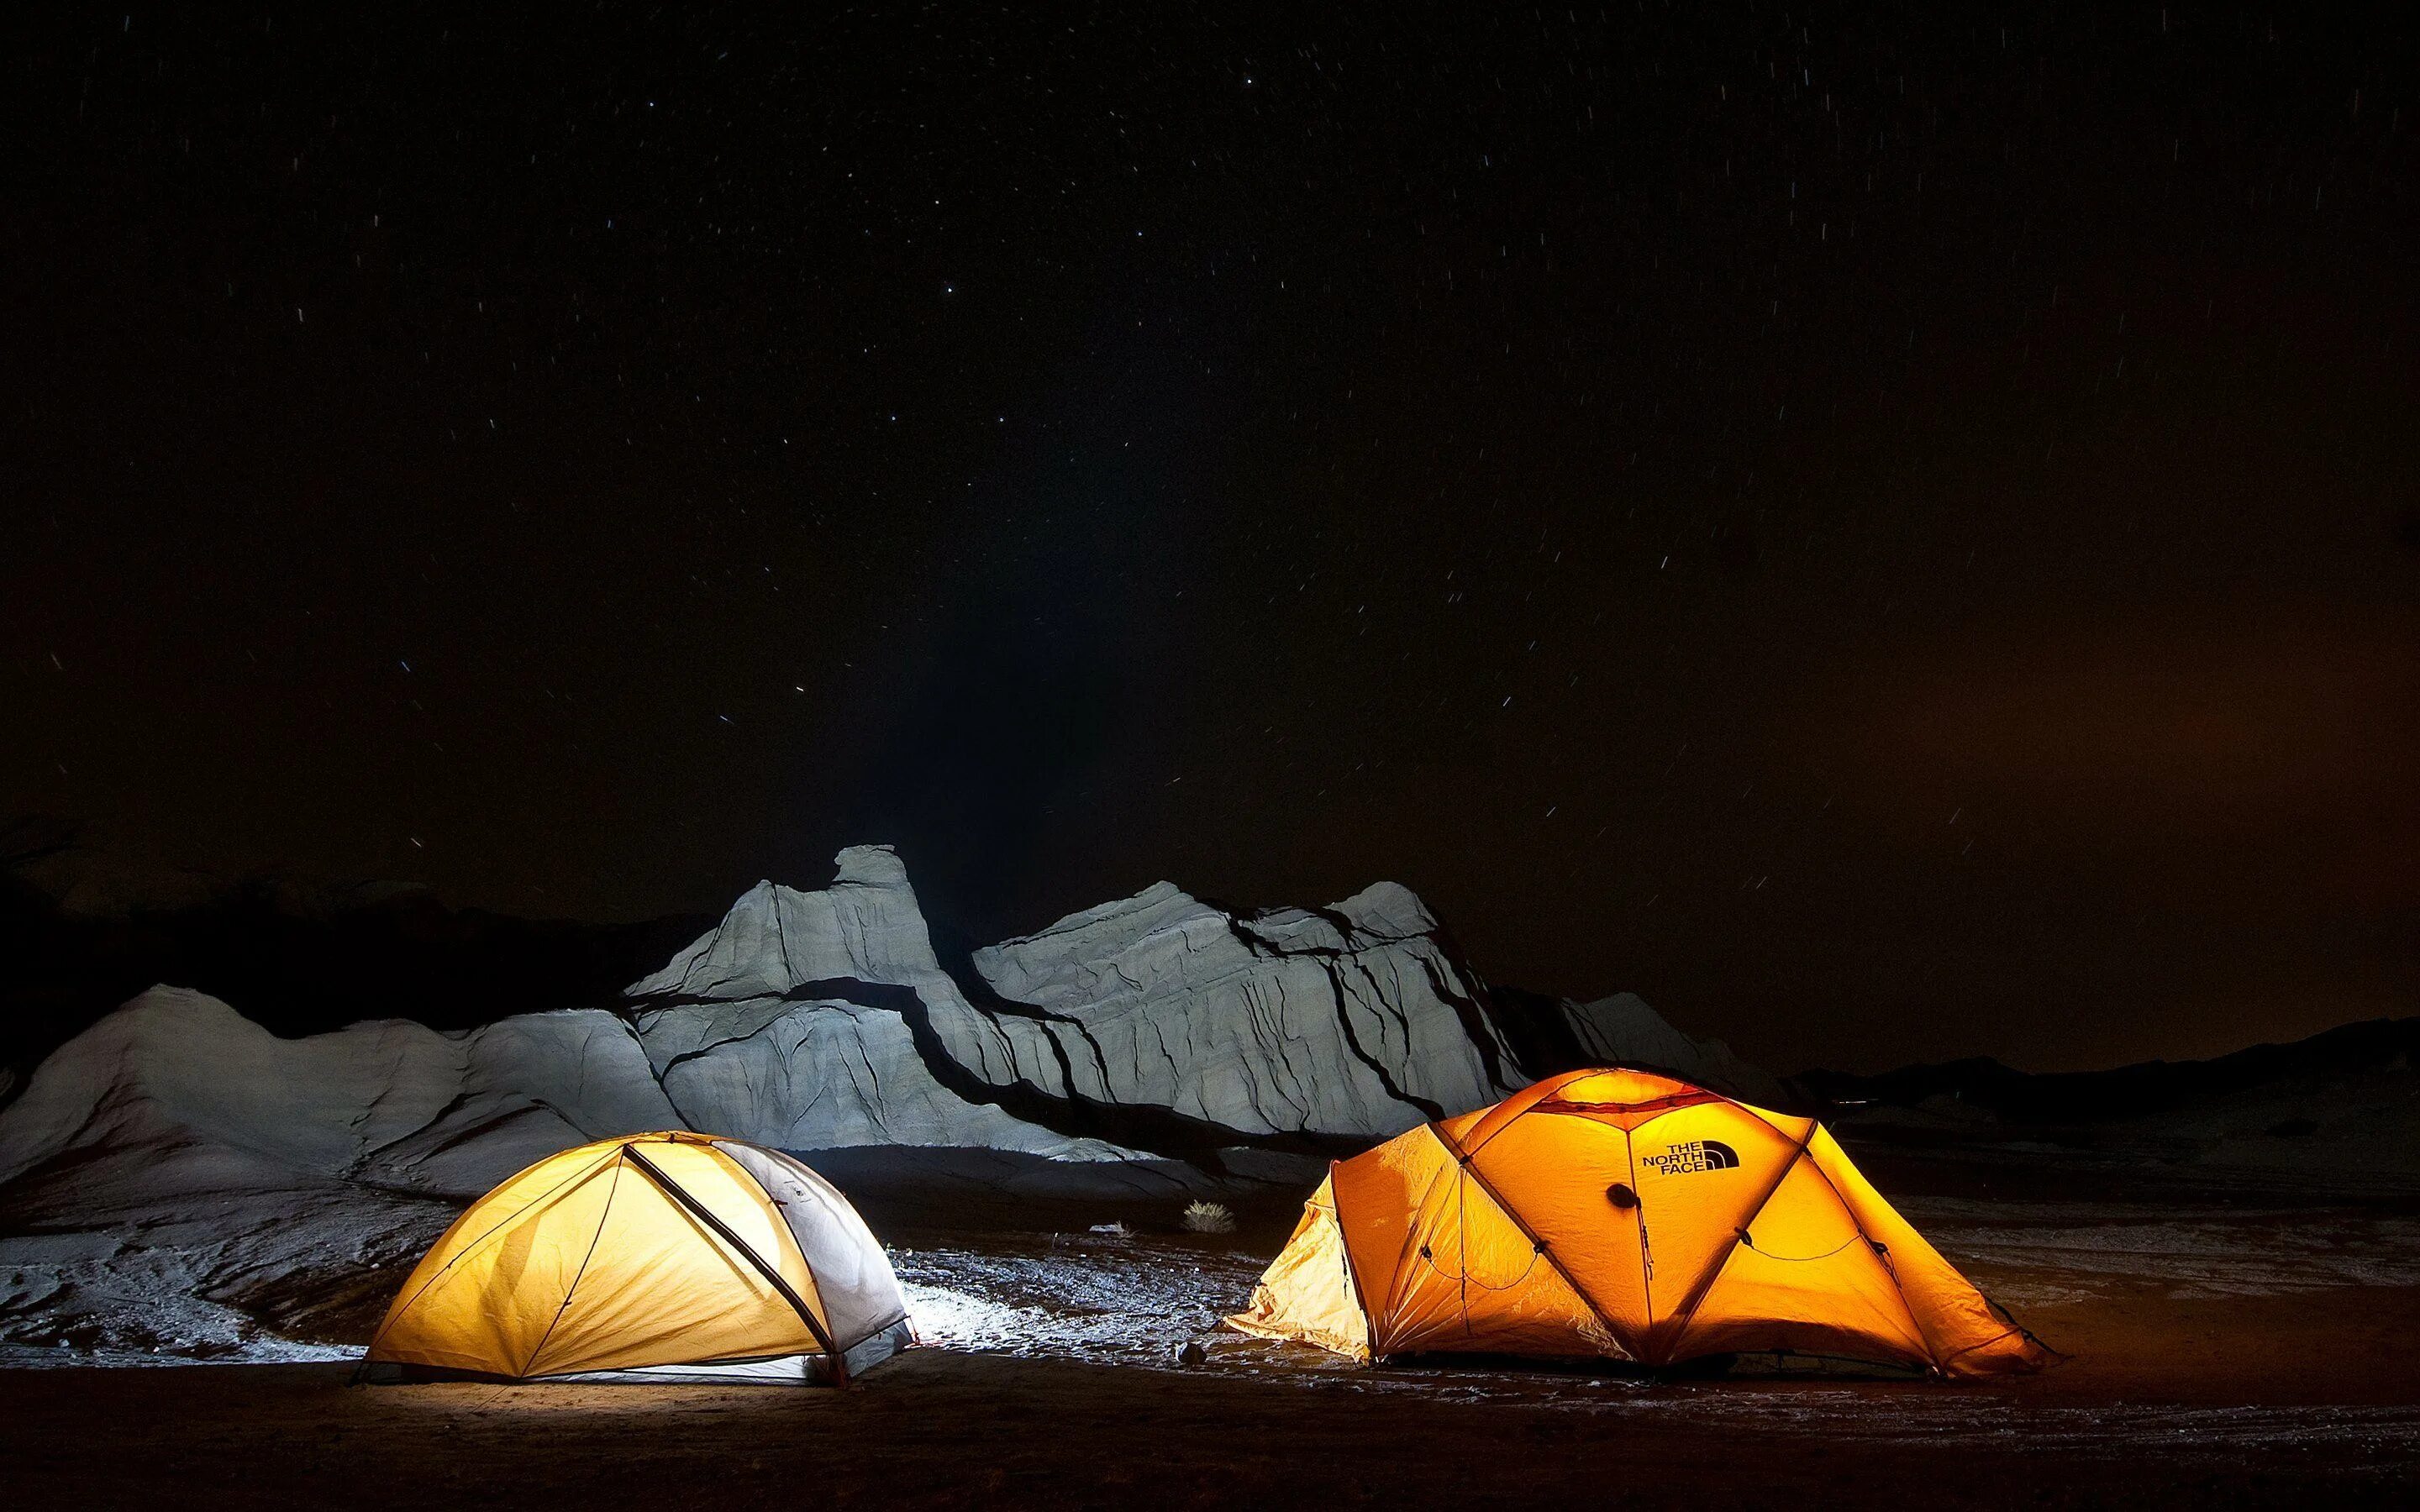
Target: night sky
1896,535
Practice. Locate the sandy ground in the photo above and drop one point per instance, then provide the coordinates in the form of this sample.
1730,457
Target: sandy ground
2230,1348
2320,1413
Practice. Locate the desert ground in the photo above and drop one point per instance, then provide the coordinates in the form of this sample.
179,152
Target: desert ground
2227,1347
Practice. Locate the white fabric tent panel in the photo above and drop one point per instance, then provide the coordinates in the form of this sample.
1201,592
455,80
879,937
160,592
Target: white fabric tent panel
853,1277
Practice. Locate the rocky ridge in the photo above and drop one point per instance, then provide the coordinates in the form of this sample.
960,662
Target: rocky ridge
179,1162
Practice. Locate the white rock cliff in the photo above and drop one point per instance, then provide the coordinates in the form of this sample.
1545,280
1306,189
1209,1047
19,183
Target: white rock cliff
175,1153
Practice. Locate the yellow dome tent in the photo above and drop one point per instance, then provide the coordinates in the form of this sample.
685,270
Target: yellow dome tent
649,1257
1623,1215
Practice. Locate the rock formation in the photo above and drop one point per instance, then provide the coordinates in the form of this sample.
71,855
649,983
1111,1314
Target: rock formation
1149,1048
176,1165
1342,1022
1157,1026
179,1091
823,1020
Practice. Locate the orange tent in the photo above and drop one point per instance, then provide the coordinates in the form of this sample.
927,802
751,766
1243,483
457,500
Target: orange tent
1628,1216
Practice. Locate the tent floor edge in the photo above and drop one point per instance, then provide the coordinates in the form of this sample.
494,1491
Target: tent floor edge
878,1347
814,1369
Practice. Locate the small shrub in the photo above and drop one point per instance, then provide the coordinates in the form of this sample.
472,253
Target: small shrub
1209,1218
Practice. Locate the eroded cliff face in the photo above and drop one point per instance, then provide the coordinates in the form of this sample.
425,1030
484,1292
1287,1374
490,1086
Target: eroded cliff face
177,1171
823,1020
1158,1026
1159,1022
1339,1023
176,1158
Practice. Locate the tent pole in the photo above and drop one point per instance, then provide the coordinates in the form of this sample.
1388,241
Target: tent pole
673,1190
1540,1245
1705,1281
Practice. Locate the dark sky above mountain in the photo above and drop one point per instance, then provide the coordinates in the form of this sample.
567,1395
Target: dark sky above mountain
1895,533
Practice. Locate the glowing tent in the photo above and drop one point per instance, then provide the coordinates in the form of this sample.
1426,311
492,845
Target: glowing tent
1628,1216
648,1258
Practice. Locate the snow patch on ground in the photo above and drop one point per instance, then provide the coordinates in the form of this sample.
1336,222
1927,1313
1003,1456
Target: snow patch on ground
267,1278
1137,1300
1103,1298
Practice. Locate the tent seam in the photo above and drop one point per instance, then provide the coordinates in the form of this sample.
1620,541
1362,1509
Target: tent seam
825,1195
1468,1164
464,1253
1352,1274
688,1200
603,1217
1931,1349
789,1235
1395,1278
1704,1285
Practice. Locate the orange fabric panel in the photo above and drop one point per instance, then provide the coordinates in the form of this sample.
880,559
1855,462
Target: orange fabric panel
1473,1130
1474,1282
1804,1279
1379,1197
1967,1337
1622,1087
481,1299
1308,1293
1702,1172
1627,1098
1462,1132
1555,1171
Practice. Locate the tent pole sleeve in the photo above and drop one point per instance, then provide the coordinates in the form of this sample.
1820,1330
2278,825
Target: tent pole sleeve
1890,1269
1705,1281
1352,1273
789,1294
1471,1166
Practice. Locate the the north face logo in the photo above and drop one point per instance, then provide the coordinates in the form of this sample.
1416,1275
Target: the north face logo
1694,1155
